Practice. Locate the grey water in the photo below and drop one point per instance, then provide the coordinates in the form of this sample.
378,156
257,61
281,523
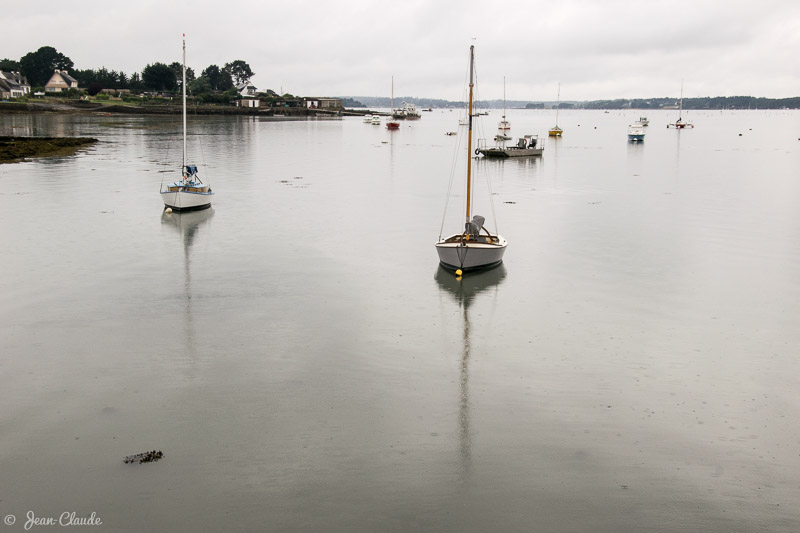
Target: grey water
303,363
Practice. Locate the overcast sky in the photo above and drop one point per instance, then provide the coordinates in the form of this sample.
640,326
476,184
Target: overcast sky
596,49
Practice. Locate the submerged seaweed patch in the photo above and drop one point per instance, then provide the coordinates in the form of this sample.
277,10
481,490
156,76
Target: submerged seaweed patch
146,457
16,149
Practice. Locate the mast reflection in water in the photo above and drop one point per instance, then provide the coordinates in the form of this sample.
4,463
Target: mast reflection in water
465,291
188,224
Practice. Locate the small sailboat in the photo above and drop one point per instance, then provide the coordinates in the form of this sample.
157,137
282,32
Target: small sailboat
190,192
680,124
470,249
391,123
555,131
504,125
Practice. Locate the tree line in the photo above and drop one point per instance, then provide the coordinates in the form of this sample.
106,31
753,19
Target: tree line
705,102
39,66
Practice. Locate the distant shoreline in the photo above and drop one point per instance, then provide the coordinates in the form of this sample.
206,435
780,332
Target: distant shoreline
82,107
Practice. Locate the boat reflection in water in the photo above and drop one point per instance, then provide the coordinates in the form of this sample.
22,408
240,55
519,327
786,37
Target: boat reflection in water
465,291
188,224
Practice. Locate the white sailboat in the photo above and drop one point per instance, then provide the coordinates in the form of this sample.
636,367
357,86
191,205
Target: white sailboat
504,125
190,192
470,249
555,131
680,124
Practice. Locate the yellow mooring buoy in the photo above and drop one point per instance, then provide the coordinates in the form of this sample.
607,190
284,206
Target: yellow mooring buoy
168,210
458,272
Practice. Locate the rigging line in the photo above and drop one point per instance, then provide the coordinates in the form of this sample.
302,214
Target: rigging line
491,202
170,140
202,152
456,151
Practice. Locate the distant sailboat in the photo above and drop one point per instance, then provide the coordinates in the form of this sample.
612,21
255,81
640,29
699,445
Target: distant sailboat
504,125
470,249
391,123
680,124
188,193
555,131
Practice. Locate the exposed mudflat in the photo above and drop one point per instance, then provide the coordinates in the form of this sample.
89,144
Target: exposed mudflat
16,149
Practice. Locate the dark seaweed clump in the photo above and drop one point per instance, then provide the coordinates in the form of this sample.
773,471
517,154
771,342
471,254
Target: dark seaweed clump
146,457
14,149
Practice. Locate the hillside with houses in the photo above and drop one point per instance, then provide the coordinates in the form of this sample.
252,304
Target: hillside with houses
47,79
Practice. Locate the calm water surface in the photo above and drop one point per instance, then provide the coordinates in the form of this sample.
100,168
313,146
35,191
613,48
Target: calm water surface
305,366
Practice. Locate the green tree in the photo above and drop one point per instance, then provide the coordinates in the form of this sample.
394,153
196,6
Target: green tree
219,79
135,83
239,71
94,88
39,66
199,86
159,77
176,67
9,65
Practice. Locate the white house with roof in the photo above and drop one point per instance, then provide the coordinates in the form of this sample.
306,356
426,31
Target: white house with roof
14,84
247,89
60,81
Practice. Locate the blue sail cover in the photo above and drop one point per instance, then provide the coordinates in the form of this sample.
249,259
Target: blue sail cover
191,170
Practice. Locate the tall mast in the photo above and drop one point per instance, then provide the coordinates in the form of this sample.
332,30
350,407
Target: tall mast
392,94
469,135
504,97
183,86
680,109
558,104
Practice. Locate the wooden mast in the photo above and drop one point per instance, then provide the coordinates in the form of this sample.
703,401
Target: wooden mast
469,135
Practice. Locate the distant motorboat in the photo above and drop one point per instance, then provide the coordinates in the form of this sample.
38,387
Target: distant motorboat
407,111
636,132
367,119
644,121
526,146
375,120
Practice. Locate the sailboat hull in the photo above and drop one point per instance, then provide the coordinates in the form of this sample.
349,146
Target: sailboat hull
186,200
467,256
